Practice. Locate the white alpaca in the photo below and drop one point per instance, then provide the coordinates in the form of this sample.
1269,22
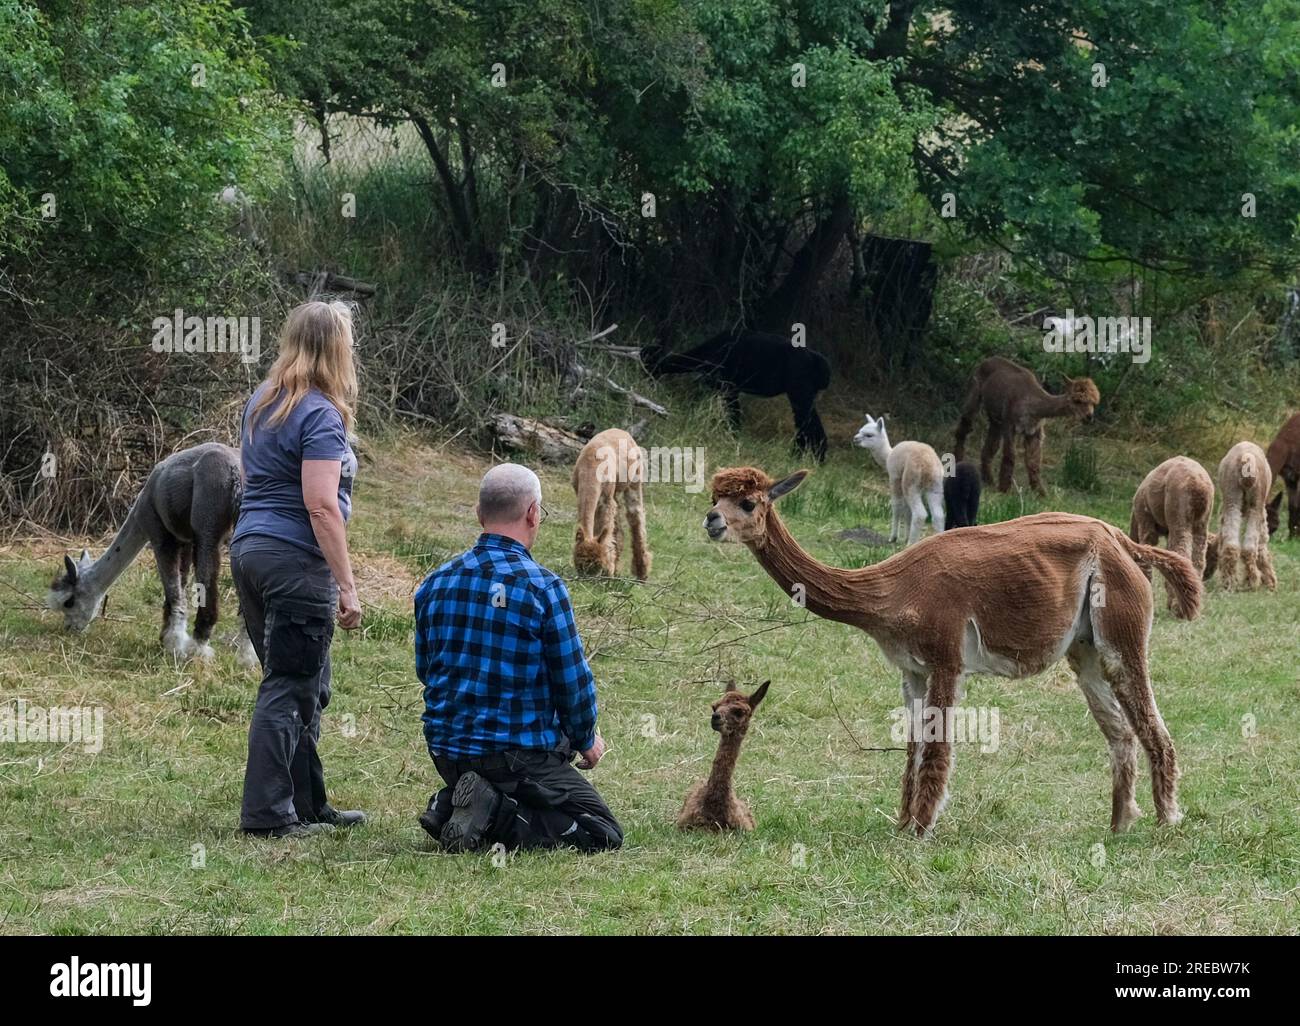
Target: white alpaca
915,473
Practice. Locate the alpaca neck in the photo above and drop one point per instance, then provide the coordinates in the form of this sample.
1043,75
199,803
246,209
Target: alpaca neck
881,452
126,545
724,766
1047,405
848,596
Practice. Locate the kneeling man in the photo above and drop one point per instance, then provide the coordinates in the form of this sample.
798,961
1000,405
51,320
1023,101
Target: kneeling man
509,699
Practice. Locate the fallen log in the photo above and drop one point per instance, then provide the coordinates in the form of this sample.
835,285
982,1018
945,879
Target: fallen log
533,438
317,282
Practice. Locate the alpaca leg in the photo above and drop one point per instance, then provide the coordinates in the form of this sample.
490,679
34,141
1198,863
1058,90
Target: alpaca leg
935,501
968,411
895,512
913,705
207,572
931,788
916,511
1293,508
1006,472
1255,530
608,533
1117,730
245,653
1125,671
1180,541
1034,460
635,502
809,432
1263,559
175,637
1229,532
1200,545
990,450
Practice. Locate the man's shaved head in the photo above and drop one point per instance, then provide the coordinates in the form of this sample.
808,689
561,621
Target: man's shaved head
506,492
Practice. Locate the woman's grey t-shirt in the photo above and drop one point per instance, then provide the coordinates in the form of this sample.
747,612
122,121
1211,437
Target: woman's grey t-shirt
272,504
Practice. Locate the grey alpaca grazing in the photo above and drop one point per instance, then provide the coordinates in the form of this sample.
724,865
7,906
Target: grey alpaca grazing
185,512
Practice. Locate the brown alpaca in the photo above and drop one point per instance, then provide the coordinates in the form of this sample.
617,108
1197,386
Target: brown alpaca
1244,483
1175,499
1284,461
1016,405
1009,599
610,470
713,805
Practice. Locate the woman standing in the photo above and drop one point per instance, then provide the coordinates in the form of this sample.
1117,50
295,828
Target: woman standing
289,557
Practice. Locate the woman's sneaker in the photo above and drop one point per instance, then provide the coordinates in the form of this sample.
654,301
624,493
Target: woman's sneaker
474,809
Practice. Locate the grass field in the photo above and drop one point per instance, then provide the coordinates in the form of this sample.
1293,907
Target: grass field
141,837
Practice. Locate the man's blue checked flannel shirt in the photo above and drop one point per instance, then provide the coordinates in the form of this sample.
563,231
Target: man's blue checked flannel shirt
500,656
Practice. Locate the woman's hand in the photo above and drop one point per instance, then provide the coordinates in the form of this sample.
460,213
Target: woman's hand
349,609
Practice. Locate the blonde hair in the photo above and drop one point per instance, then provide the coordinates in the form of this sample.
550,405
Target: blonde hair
315,352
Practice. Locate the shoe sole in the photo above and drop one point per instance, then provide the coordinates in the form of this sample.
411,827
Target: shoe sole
470,820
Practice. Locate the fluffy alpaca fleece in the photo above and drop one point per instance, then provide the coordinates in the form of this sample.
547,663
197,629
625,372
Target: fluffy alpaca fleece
915,478
1009,599
610,471
1284,462
1016,405
757,363
185,512
1176,499
961,496
1244,483
712,804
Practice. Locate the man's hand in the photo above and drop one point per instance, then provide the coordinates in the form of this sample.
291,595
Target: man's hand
592,755
349,609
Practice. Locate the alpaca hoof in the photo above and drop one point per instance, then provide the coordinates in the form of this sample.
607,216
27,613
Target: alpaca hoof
177,644
201,651
1172,818
246,657
1126,819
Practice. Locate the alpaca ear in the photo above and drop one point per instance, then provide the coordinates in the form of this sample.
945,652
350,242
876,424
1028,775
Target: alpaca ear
85,559
788,485
71,568
757,696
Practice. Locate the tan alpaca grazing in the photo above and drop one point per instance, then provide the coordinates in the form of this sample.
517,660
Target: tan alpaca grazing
1176,499
610,471
1010,599
1016,405
1244,483
713,805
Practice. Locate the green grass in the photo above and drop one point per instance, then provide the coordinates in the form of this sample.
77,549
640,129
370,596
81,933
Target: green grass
107,842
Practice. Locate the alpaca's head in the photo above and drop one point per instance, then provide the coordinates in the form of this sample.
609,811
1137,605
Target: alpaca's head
872,437
732,711
591,557
1273,512
1083,396
742,498
71,593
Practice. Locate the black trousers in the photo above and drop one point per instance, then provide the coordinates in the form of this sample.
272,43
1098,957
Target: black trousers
548,803
287,596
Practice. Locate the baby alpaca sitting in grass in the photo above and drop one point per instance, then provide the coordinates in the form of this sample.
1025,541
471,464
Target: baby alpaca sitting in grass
713,805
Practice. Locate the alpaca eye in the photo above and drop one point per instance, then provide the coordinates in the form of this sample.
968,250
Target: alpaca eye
747,505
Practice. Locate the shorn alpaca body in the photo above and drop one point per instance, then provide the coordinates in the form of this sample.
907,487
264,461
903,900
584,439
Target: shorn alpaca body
1244,483
1175,500
1284,461
961,496
713,804
1010,599
185,512
915,479
756,363
610,472
1016,406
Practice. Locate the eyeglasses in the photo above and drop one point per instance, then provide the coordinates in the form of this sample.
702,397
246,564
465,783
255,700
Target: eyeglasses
544,513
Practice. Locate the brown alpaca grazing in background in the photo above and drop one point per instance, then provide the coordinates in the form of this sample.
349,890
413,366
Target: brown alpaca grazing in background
1016,405
1284,462
713,805
1244,483
1010,599
1176,499
610,470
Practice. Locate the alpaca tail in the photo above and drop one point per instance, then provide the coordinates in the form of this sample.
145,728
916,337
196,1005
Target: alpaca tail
1179,574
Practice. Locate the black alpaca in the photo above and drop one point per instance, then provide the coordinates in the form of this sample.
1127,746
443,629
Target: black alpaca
961,496
757,363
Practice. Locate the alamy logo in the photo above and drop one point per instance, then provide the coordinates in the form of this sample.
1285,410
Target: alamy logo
1101,335
181,334
659,464
107,979
21,723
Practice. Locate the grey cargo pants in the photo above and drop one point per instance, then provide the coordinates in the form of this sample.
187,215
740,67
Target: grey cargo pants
288,597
